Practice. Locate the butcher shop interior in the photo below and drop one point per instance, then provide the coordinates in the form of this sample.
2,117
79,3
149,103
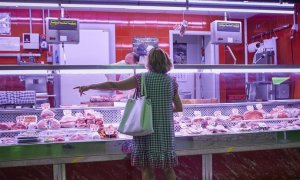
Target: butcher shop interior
236,63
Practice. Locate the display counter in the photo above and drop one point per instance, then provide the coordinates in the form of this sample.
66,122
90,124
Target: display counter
201,130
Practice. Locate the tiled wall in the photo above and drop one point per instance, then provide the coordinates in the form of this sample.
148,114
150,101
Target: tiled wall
128,26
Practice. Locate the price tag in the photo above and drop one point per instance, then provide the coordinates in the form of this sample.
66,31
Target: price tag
229,149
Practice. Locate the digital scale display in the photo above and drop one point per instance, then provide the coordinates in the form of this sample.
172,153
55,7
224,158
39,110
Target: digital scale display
228,27
59,24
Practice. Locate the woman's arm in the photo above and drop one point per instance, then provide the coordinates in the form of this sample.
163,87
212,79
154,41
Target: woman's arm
126,84
177,103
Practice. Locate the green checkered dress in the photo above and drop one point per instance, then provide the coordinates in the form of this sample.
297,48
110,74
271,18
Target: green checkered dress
157,150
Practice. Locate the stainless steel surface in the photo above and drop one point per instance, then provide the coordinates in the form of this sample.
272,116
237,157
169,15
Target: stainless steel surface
207,166
59,172
68,152
37,83
20,54
282,91
264,92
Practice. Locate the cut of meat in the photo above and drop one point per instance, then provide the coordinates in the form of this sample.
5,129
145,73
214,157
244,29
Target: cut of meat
42,124
68,121
280,112
236,117
101,98
67,124
293,112
4,126
18,126
54,123
253,115
47,113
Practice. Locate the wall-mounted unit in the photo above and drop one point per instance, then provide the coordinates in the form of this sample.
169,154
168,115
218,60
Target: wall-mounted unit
31,41
226,32
62,30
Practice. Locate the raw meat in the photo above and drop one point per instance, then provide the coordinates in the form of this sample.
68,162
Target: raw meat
296,123
78,137
32,126
54,123
67,124
259,108
27,119
253,115
101,98
68,121
80,120
235,115
47,113
279,112
294,112
18,126
4,126
218,117
42,124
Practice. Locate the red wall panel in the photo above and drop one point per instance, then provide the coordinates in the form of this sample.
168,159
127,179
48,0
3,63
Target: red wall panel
285,45
128,26
264,23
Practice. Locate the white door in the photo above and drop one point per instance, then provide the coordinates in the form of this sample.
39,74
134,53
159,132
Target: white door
93,49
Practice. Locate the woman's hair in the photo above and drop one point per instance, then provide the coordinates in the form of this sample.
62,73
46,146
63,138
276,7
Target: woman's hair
158,61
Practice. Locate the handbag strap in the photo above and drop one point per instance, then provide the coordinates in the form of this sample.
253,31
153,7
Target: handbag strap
143,86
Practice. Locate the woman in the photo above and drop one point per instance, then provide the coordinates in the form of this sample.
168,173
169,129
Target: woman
156,150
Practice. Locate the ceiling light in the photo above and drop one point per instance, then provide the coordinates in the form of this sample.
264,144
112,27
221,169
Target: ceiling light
23,72
97,6
16,4
243,71
241,3
267,11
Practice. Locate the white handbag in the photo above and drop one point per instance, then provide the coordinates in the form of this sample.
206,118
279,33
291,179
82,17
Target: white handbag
137,117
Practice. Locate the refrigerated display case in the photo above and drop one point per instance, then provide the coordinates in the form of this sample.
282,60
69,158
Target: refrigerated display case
207,125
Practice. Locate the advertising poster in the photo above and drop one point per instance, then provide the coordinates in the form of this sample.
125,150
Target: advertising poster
180,53
140,44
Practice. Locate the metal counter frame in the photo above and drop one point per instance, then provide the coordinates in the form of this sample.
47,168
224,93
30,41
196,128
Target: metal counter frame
59,154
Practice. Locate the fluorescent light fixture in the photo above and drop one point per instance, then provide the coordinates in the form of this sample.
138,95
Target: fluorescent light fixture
97,6
167,1
184,71
95,71
141,70
242,71
267,11
23,72
17,4
242,3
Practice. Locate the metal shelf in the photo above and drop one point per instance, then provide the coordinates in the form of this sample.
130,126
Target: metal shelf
12,131
20,54
273,102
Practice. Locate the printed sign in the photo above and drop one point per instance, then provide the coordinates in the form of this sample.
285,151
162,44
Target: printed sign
140,44
4,23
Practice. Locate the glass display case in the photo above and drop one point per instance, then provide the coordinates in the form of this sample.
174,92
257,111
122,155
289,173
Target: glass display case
244,107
